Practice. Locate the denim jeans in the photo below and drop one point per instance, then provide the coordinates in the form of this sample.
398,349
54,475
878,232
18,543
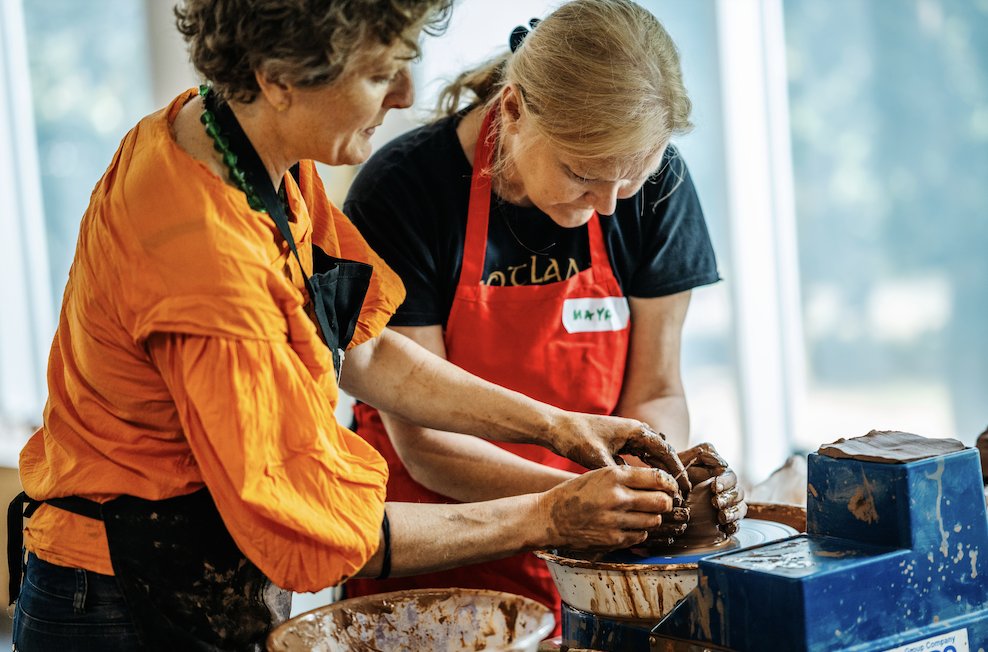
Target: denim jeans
71,610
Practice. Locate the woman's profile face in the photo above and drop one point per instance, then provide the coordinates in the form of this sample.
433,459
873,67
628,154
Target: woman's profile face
566,188
333,123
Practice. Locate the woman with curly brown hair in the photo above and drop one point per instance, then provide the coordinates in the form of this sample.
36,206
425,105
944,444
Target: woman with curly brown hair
190,470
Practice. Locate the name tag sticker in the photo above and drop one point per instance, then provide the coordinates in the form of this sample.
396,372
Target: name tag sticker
596,315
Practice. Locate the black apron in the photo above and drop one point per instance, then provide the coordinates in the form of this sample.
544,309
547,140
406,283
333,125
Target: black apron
186,584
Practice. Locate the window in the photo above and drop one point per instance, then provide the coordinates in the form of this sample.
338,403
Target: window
73,77
90,83
889,114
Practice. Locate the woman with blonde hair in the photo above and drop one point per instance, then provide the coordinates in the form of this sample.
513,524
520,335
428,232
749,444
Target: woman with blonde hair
548,236
190,471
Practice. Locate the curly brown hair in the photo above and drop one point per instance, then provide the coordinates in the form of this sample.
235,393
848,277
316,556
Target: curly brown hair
301,42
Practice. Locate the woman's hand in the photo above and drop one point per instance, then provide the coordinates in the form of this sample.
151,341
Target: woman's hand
594,441
606,509
702,462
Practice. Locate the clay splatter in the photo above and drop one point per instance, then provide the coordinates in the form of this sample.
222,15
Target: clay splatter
862,503
937,476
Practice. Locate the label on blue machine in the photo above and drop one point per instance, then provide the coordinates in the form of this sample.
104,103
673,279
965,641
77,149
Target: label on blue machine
955,641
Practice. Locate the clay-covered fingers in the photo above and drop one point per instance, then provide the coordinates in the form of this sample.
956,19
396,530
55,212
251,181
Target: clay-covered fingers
703,462
677,515
704,452
731,508
731,528
592,441
652,448
732,515
590,454
596,441
650,491
727,493
728,498
726,481
674,524
652,479
609,508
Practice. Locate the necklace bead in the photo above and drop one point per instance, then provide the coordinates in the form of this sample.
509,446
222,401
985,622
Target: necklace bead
222,145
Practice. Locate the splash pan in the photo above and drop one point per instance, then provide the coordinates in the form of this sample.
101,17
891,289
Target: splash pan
639,584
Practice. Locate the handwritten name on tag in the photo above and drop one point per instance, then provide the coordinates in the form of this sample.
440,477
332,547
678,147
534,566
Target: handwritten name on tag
596,315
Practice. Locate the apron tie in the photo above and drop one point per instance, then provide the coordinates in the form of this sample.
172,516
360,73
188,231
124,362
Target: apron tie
23,506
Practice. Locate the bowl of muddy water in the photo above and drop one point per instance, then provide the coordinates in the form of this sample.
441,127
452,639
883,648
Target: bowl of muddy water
448,620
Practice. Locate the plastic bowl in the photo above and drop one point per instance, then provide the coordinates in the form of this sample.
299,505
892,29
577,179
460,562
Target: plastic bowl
422,619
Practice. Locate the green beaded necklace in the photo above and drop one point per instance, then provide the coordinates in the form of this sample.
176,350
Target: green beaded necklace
222,145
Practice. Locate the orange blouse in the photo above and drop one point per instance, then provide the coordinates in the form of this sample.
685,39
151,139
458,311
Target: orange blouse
184,357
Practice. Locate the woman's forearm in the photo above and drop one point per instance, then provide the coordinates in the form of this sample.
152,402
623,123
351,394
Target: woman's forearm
429,537
395,375
606,509
466,468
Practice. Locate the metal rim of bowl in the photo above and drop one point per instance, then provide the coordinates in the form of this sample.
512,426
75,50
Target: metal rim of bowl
551,557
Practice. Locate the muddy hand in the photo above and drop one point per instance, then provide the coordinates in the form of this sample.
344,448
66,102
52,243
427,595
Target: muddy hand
653,449
595,441
704,462
730,505
673,524
606,509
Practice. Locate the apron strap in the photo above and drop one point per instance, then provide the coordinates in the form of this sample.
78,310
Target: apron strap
475,241
23,506
15,541
258,177
479,208
335,286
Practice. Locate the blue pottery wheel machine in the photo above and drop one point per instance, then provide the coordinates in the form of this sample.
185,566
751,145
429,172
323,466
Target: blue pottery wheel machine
893,561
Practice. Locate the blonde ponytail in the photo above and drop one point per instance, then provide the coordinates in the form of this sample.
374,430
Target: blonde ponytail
477,86
600,78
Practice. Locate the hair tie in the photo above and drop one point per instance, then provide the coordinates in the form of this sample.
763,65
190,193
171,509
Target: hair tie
519,33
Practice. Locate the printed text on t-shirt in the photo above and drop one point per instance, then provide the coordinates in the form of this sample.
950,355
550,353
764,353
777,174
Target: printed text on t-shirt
540,270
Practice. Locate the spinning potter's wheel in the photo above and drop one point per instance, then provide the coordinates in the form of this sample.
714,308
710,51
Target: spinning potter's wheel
752,532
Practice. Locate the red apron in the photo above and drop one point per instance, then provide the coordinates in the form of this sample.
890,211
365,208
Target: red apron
564,343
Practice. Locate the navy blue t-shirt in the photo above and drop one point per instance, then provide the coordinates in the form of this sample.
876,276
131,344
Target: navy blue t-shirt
410,202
